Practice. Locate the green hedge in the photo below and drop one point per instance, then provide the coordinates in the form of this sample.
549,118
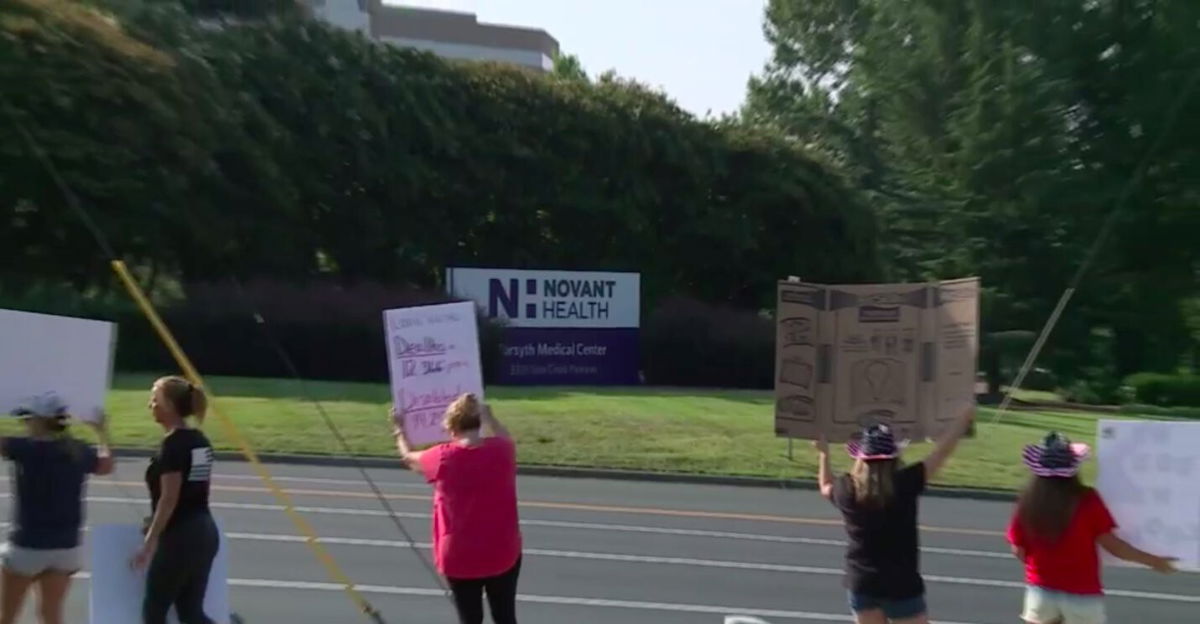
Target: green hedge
292,149
689,343
1165,390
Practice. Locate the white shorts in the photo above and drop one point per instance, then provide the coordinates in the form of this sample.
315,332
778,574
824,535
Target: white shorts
33,562
1044,606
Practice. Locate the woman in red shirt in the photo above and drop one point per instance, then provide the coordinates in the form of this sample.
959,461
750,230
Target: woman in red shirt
1055,530
476,529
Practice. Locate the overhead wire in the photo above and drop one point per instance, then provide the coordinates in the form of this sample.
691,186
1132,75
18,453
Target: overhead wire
260,321
292,369
148,310
95,231
1102,236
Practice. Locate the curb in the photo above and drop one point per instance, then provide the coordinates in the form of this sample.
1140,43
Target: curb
570,472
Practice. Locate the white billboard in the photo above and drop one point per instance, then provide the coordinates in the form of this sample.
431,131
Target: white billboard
551,299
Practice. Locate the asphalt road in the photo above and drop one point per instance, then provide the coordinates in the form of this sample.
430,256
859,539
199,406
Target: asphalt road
604,551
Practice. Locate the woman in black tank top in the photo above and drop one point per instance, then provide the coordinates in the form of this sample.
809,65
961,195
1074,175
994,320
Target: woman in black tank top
181,539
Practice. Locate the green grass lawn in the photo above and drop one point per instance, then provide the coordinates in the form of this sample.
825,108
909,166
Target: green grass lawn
716,432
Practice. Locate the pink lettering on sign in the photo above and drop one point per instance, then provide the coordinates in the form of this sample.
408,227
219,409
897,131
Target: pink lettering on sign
426,347
437,398
433,357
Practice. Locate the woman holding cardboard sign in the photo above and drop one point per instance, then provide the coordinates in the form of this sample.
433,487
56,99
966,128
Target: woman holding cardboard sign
878,501
1055,532
476,530
51,467
182,540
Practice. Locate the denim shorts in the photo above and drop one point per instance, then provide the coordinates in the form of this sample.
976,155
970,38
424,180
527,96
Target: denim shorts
1044,606
893,609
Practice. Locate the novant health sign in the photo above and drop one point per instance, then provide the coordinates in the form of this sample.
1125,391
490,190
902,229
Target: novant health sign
433,358
559,327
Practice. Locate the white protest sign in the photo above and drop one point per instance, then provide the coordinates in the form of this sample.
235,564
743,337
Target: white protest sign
71,357
1147,475
433,357
117,590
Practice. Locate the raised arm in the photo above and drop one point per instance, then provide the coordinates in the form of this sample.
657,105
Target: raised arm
948,442
1122,549
824,473
410,458
104,458
492,423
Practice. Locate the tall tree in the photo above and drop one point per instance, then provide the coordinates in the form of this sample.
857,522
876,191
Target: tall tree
994,138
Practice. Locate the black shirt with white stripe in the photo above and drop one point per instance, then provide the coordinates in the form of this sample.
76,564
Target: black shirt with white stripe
188,452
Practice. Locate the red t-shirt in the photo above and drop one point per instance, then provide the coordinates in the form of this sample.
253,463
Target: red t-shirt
1072,564
476,530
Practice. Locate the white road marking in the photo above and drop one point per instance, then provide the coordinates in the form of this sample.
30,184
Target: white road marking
681,561
588,526
689,562
553,600
360,482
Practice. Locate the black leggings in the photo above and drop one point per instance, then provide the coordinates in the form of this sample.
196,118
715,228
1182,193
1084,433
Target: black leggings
501,594
178,574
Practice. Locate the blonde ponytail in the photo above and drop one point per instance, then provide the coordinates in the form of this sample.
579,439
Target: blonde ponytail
874,482
186,398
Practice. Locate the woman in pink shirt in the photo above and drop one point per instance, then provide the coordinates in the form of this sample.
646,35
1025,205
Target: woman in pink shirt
476,530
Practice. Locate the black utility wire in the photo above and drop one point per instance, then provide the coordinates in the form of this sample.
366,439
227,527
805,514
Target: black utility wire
98,234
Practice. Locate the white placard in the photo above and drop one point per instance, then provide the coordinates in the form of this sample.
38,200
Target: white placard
549,299
71,357
433,357
1148,472
117,590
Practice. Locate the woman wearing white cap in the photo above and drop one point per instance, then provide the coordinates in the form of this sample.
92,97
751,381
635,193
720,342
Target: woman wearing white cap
1055,532
50,468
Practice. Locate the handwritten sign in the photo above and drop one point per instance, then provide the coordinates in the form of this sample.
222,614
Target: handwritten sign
433,356
898,354
1147,475
71,357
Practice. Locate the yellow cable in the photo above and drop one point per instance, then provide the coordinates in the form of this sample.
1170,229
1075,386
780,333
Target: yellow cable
235,435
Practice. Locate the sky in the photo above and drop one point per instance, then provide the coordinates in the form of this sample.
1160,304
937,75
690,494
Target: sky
700,52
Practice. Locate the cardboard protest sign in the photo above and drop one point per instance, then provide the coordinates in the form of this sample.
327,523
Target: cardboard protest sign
433,357
901,354
117,590
1147,476
71,357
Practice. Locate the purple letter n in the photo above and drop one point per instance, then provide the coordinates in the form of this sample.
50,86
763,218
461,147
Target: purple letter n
509,298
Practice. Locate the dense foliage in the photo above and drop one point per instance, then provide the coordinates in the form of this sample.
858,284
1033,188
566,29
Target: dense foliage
210,139
288,149
994,138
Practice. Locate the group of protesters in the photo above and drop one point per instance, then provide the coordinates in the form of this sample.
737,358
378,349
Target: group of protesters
50,468
1056,530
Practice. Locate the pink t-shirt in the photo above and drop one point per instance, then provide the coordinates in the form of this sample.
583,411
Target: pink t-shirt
476,530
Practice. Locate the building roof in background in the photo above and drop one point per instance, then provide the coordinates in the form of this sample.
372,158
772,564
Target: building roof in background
453,27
